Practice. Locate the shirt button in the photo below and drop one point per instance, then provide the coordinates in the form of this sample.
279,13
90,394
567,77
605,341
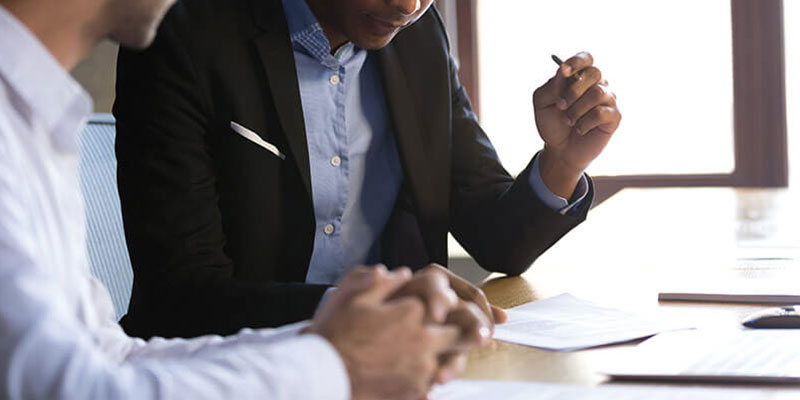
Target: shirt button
335,80
328,229
336,161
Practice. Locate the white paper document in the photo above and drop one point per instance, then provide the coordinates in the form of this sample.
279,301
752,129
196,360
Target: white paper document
472,390
566,323
763,275
750,355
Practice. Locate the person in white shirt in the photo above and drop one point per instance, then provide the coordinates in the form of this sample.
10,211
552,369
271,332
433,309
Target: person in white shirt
58,336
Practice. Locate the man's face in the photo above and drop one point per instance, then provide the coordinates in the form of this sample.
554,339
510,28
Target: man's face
372,24
135,22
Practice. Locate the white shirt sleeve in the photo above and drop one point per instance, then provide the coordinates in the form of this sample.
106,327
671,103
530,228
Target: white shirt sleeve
46,354
58,339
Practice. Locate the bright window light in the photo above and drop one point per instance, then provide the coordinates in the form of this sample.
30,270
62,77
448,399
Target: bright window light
670,64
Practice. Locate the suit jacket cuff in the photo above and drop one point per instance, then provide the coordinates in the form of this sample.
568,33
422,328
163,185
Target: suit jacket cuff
549,198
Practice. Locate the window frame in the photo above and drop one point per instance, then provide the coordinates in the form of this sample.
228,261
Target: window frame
760,139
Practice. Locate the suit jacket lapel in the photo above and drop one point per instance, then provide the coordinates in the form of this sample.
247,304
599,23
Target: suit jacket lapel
275,49
413,152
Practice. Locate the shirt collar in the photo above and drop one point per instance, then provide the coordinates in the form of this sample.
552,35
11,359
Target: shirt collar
50,95
306,32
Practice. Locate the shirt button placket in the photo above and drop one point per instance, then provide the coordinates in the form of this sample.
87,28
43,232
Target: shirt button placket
335,79
329,229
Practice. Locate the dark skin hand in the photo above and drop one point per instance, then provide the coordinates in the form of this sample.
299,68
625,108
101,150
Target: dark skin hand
576,114
452,301
433,288
389,349
447,301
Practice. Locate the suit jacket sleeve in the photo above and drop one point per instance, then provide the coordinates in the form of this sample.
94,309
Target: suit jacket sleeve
184,282
500,221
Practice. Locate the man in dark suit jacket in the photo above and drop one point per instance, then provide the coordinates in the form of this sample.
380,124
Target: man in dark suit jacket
219,129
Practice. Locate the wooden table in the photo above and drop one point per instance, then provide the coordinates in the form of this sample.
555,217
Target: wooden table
628,248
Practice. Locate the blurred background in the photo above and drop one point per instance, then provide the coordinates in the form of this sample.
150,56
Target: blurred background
708,89
671,63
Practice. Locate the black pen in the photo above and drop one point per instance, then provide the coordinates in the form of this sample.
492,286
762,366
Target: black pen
558,61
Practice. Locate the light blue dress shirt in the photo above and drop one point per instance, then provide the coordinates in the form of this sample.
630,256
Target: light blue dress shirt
355,167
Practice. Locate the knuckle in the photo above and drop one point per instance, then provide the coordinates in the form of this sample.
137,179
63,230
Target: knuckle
448,298
434,269
439,268
475,313
376,274
436,272
452,298
608,113
596,114
597,93
380,268
594,73
473,293
441,280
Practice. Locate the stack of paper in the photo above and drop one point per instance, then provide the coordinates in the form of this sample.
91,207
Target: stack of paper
471,390
758,275
566,323
757,356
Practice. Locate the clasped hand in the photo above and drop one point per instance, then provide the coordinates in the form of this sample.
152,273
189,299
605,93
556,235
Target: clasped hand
399,333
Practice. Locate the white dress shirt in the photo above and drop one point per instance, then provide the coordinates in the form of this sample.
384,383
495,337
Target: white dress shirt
58,336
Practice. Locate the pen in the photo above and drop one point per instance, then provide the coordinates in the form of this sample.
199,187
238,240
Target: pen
558,61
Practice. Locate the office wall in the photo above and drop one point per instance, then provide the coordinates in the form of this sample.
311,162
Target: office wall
97,74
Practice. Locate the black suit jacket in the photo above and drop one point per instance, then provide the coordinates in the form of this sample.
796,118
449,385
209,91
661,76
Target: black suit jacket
221,231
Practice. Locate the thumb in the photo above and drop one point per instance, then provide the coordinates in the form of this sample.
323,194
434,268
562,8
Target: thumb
545,96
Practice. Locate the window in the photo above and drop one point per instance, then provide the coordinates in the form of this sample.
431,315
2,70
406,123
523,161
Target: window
792,35
671,69
720,72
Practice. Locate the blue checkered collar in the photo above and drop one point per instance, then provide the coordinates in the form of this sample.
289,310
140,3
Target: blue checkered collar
306,32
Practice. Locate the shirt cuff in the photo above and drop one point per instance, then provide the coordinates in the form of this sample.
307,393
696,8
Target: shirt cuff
325,374
549,198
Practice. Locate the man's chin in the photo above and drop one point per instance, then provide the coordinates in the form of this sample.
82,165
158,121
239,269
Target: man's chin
370,42
134,40
137,27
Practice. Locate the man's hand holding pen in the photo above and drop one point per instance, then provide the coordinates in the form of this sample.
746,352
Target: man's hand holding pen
576,115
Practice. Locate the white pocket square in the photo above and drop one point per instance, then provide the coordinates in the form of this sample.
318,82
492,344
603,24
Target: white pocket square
253,137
